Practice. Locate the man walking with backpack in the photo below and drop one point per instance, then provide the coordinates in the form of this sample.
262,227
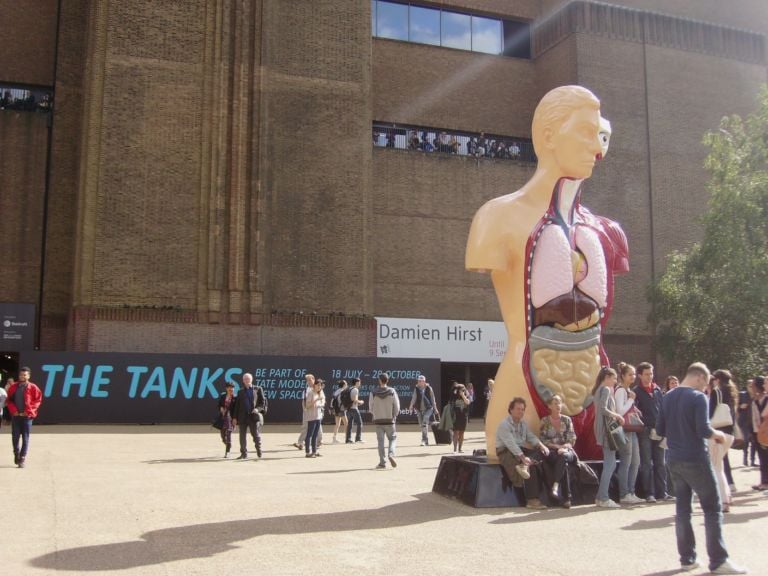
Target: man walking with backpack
385,406
350,399
423,402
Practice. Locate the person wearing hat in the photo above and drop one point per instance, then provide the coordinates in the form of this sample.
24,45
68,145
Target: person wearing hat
226,406
424,404
24,398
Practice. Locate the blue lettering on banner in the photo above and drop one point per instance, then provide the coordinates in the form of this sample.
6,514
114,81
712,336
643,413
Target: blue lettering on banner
187,383
99,380
155,383
136,372
121,387
71,380
51,370
207,383
229,376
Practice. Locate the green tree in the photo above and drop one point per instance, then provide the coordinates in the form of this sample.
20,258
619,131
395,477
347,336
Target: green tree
710,304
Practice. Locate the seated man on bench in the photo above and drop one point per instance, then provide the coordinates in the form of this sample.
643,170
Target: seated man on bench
521,453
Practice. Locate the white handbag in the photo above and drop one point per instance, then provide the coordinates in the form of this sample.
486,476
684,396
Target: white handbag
722,416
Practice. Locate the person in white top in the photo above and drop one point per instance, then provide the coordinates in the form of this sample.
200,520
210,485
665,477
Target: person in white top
629,455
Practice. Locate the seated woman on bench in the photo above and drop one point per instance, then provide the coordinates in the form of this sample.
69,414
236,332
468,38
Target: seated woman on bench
556,433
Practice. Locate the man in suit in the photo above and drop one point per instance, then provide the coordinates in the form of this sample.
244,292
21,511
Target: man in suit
246,411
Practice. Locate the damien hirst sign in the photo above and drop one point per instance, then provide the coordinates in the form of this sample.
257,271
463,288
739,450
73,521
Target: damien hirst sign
448,340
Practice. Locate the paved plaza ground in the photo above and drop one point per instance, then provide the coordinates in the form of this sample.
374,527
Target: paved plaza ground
161,500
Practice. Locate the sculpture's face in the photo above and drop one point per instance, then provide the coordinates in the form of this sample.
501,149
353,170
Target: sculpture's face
576,145
605,136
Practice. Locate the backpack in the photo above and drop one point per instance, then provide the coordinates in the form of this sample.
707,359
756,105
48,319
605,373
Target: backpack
335,405
346,399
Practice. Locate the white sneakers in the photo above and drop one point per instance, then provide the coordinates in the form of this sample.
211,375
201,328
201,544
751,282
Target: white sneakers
522,469
606,504
631,499
728,568
725,568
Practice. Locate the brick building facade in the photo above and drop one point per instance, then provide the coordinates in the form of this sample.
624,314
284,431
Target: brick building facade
211,184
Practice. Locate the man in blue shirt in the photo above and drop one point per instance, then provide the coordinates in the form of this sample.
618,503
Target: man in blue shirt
684,420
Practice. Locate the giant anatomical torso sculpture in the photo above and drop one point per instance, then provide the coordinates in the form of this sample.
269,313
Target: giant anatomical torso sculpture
552,264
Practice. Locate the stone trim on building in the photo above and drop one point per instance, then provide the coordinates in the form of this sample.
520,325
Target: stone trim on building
622,23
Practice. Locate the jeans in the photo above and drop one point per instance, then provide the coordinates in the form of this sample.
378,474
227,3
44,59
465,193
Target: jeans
424,416
653,469
609,465
310,445
21,426
353,416
629,464
699,477
390,432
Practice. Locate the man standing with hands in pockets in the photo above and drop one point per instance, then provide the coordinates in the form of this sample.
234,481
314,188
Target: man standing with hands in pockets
424,404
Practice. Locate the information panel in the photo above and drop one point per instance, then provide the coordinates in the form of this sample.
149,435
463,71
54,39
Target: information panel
177,388
17,326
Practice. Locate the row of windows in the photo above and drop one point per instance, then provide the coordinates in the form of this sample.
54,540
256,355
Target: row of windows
413,23
478,144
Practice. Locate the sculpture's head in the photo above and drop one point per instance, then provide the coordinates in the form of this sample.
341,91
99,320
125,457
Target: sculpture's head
567,132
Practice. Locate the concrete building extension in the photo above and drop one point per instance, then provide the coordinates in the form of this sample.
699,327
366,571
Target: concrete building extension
207,180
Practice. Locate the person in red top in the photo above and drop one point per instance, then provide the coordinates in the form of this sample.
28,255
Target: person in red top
24,398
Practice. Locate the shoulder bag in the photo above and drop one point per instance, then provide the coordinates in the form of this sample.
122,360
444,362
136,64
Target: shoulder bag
614,434
721,418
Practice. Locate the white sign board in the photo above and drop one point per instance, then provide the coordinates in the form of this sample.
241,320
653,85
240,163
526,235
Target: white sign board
449,340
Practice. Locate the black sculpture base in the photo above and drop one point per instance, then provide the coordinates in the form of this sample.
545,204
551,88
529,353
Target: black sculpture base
478,483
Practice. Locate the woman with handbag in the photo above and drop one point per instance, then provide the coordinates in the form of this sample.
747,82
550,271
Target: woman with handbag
718,418
722,412
460,403
226,400
629,455
608,431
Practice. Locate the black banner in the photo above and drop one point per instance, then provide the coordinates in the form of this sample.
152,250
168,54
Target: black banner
183,388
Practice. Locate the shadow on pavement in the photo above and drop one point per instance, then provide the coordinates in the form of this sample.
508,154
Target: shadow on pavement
205,540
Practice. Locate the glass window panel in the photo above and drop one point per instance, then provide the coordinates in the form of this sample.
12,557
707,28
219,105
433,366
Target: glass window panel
425,25
456,30
486,35
517,39
373,17
392,20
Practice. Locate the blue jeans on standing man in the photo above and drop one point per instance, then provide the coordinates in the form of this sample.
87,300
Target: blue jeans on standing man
698,477
424,416
653,468
353,416
21,426
390,432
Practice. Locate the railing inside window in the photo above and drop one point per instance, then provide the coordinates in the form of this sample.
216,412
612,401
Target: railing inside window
435,140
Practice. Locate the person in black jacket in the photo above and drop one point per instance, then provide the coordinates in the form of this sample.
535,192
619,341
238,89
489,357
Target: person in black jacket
226,402
247,413
653,470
